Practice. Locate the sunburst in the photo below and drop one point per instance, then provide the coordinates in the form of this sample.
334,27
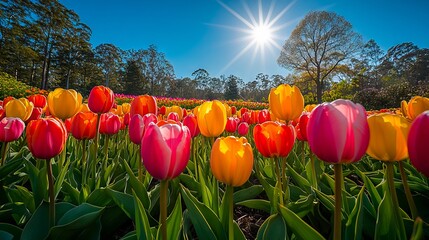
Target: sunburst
261,33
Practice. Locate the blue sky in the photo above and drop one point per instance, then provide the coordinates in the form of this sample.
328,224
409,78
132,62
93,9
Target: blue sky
197,34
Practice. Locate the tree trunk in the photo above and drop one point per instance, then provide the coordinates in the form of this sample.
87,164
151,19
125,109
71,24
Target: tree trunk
319,88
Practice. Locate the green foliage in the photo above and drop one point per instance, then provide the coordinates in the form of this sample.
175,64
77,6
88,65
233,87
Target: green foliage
9,86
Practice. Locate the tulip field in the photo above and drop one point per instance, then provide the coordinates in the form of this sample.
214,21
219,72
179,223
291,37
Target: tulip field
110,166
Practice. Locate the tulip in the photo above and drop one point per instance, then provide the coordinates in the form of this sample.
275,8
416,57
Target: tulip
404,108
243,128
191,122
165,153
211,118
418,137
144,104
274,139
417,105
245,117
110,123
231,124
301,127
388,138
126,107
2,113
84,125
127,118
286,102
231,160
173,116
46,138
64,103
100,99
338,133
84,108
35,114
310,107
10,130
20,108
136,129
6,100
264,116
175,109
38,100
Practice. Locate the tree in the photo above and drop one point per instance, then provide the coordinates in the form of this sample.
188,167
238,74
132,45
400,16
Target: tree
231,88
320,42
110,59
134,79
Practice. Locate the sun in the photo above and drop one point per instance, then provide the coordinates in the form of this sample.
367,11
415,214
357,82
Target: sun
260,32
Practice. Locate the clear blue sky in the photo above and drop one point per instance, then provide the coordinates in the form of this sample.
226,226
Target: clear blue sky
203,33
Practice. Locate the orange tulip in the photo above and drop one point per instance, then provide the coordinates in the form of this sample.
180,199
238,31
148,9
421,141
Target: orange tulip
286,102
144,104
46,137
231,160
84,125
212,118
417,105
274,139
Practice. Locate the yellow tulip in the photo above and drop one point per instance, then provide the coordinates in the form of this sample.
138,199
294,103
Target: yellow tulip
417,105
286,102
20,108
404,108
126,107
84,108
64,103
228,110
310,107
388,137
212,118
231,160
175,109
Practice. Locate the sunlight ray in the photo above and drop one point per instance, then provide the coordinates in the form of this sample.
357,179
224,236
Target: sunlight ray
242,19
243,51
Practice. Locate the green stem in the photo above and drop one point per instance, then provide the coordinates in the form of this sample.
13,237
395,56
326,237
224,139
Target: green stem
51,194
163,208
391,183
313,170
139,164
194,156
279,179
3,152
303,153
410,199
338,171
229,195
284,180
84,170
97,136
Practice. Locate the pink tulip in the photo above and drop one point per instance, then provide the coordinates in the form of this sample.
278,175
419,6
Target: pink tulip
338,132
243,128
192,123
173,116
418,137
165,150
136,129
11,129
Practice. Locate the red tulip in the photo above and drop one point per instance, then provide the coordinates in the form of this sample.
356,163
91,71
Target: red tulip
109,123
338,132
2,113
301,127
166,150
38,100
274,139
263,116
11,129
191,122
245,117
418,137
243,128
35,114
46,137
231,124
100,99
127,118
84,125
173,116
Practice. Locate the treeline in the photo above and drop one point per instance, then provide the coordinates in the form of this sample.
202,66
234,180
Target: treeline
44,44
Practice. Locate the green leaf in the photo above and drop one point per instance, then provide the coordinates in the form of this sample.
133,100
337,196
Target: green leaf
274,227
10,167
302,206
207,225
375,196
174,221
298,226
417,229
124,201
70,191
21,194
260,204
298,179
137,185
354,225
99,197
5,235
247,193
60,178
386,225
13,230
327,200
142,223
82,218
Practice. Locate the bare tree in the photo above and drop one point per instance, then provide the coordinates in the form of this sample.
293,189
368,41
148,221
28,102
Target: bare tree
320,42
